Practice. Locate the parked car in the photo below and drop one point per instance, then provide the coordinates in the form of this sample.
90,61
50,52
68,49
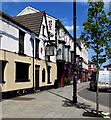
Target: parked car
104,81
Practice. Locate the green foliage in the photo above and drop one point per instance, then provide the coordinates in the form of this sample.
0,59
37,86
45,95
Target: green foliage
97,32
67,80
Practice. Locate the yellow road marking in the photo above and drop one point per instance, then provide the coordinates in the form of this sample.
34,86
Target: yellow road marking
87,99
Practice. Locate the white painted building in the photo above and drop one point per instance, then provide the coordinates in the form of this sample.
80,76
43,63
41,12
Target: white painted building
23,60
51,22
63,41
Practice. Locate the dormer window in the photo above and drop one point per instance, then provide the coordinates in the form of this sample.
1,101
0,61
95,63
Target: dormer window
50,24
21,42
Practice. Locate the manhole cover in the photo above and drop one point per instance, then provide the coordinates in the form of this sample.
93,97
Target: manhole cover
22,98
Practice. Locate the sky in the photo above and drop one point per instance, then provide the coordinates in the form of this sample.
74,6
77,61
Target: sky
60,10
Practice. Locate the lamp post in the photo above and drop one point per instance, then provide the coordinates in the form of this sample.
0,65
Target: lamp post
74,62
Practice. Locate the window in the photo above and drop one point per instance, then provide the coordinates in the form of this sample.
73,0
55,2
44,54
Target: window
72,57
43,29
21,42
22,72
63,49
50,24
43,75
2,69
68,55
36,48
62,34
59,51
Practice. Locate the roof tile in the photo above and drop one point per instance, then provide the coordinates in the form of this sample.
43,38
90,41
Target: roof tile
32,21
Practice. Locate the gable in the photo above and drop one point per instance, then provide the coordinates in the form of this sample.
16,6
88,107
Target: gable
31,21
28,10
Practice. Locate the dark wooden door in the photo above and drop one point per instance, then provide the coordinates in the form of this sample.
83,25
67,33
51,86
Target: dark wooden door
37,77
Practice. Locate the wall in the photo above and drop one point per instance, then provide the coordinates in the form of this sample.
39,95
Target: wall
10,71
9,52
10,38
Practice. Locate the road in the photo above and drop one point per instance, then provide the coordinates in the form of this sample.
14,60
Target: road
104,97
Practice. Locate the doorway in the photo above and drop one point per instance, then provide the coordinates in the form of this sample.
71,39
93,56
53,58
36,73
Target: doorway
37,67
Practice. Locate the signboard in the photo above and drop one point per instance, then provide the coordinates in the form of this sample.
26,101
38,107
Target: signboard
49,50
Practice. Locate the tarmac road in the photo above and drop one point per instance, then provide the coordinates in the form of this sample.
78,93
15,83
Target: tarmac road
104,97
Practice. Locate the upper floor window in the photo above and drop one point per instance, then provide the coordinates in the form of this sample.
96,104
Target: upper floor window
59,51
36,48
43,30
72,57
50,24
62,33
21,42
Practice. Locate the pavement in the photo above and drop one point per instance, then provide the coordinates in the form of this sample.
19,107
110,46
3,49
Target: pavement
52,103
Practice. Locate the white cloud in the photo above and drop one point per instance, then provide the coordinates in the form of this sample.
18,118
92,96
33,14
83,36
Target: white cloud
69,27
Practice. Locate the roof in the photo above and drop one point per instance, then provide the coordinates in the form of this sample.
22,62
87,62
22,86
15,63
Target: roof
28,7
107,66
60,24
6,16
31,21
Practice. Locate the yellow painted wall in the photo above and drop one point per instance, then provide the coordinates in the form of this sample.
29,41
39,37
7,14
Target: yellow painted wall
10,71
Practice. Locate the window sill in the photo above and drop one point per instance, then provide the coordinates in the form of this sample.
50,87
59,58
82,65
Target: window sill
49,82
23,80
21,54
37,58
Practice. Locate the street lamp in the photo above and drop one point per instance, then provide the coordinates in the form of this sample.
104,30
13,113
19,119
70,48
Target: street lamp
74,62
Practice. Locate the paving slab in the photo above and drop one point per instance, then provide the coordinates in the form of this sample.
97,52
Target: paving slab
52,103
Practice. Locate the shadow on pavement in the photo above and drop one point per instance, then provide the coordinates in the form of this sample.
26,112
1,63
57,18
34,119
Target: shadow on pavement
59,95
69,103
88,110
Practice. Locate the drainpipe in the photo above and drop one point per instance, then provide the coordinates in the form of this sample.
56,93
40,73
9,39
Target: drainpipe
33,40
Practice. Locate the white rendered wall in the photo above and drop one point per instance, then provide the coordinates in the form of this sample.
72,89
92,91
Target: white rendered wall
10,39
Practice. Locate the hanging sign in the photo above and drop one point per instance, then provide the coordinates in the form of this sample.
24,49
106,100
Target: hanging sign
49,50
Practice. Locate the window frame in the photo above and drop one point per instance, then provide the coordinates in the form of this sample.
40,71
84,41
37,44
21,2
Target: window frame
21,42
18,76
43,75
37,48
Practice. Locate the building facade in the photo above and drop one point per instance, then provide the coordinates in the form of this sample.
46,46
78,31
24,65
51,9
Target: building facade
65,48
23,59
24,42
